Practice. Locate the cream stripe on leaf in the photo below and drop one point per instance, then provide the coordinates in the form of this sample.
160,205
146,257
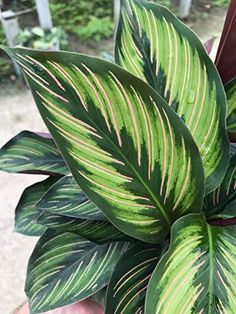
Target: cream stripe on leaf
27,212
127,288
94,230
66,198
155,46
30,152
65,268
230,89
198,272
221,202
120,139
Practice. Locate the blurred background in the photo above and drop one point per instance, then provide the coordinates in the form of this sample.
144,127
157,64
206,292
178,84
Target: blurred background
76,25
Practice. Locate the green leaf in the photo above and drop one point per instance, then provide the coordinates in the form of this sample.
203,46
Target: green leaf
65,268
127,149
29,152
216,203
156,47
26,210
232,149
230,89
198,273
66,198
96,231
127,288
229,210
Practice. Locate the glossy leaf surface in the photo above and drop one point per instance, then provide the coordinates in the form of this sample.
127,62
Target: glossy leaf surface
66,198
95,231
156,47
126,148
29,152
65,268
26,210
127,288
198,273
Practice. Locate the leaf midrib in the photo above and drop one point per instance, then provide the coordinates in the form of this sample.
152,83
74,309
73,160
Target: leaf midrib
156,201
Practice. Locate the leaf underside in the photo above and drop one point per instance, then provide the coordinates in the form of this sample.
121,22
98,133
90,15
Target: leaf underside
29,152
126,148
154,45
65,268
198,273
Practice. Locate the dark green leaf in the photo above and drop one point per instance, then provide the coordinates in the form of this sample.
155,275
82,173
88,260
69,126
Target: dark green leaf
216,203
66,198
65,268
229,210
127,288
29,152
230,90
96,231
26,210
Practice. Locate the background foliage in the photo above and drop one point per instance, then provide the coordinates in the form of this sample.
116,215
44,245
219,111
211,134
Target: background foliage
87,20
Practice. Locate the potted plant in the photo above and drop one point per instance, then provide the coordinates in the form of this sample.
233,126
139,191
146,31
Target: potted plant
138,207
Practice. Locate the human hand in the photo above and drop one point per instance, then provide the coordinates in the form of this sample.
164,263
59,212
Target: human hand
87,306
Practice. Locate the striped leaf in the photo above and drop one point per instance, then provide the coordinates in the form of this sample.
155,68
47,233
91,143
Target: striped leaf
96,231
216,203
230,90
127,288
65,268
66,198
26,210
127,149
198,273
29,152
156,47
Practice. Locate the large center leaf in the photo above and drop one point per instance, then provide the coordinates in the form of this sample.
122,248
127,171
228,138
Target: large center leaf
126,148
198,273
156,47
